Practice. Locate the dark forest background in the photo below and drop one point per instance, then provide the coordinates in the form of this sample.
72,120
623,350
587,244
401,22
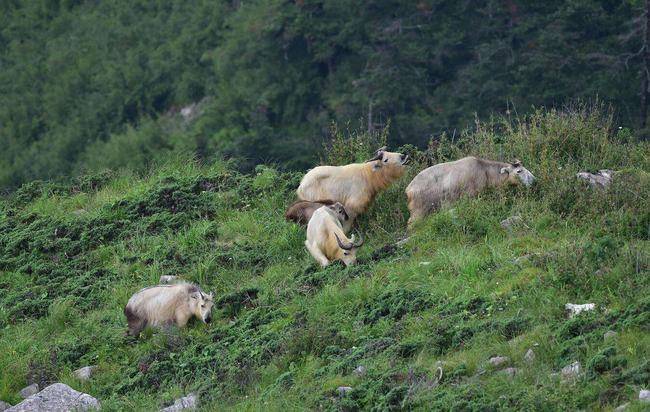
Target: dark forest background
86,85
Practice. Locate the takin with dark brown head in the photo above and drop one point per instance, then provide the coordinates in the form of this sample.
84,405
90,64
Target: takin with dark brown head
302,211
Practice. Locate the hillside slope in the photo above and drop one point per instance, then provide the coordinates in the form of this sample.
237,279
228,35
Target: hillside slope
287,333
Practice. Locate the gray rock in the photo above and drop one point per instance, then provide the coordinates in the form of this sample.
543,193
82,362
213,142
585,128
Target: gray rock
57,397
344,390
499,361
360,370
644,395
622,408
571,371
28,391
185,403
600,180
610,334
167,279
510,372
510,223
424,263
4,406
83,374
522,259
529,357
574,309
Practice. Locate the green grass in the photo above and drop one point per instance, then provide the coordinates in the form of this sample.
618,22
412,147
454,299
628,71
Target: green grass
287,333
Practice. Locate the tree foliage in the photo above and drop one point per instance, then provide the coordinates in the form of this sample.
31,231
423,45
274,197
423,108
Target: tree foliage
82,81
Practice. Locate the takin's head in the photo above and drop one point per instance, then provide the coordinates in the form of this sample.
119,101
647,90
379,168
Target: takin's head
201,305
391,164
340,212
518,174
347,251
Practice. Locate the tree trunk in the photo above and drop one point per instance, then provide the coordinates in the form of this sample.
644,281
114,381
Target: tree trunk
645,70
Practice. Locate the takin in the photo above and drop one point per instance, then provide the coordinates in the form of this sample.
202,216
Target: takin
302,210
326,240
165,305
447,182
354,185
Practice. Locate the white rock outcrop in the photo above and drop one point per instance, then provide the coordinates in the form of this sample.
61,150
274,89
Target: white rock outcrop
574,309
57,397
188,402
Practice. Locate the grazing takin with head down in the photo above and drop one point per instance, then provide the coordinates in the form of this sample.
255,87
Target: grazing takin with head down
447,182
302,210
326,240
354,185
165,305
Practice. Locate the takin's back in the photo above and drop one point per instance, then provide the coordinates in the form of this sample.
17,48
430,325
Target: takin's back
447,182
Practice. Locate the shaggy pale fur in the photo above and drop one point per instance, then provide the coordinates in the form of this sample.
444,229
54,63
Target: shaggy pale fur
354,185
321,241
446,182
302,210
167,304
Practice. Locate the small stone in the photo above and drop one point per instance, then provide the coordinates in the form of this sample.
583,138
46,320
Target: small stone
571,371
187,402
499,361
4,406
622,408
29,391
511,222
344,390
360,370
83,374
402,242
610,334
574,309
529,357
424,263
57,397
644,395
167,279
510,372
78,212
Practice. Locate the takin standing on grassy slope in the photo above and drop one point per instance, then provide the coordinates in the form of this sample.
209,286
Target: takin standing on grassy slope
165,305
302,210
447,182
354,185
326,240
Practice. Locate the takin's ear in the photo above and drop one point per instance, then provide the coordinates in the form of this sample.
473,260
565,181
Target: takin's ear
516,163
504,170
195,295
376,166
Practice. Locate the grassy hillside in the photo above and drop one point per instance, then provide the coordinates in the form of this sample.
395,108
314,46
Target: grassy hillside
287,333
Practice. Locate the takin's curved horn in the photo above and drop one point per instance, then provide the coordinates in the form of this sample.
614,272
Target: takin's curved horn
379,154
341,245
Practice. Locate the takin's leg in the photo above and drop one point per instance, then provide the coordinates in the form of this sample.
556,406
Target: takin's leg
181,317
415,209
317,254
135,323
